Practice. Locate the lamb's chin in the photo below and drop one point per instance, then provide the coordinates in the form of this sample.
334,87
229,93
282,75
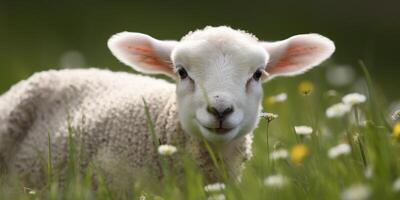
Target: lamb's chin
219,136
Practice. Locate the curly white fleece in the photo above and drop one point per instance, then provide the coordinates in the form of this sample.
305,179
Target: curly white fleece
106,111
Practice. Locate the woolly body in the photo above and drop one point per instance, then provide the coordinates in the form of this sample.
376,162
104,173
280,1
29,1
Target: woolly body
108,109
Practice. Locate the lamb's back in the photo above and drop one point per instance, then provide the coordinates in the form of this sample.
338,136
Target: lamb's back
102,110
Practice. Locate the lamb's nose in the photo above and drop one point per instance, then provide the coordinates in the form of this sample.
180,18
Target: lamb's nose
220,112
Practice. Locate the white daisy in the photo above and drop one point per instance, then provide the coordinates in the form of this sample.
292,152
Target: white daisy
396,115
29,191
368,172
354,98
217,197
142,197
268,116
331,93
215,187
337,110
303,130
340,75
166,150
356,192
276,181
341,149
396,185
280,97
279,154
277,98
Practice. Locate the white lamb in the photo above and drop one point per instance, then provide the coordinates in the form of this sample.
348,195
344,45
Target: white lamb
219,74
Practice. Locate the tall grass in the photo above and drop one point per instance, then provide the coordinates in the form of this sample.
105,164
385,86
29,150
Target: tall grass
372,164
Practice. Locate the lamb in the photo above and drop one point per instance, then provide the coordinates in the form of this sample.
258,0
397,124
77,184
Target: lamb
218,71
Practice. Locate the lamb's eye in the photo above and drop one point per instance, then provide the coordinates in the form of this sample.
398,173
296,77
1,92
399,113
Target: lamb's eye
182,73
257,75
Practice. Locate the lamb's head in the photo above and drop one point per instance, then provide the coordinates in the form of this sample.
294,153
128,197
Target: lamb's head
219,73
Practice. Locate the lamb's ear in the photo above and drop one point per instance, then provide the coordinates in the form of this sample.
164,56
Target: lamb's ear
143,53
297,54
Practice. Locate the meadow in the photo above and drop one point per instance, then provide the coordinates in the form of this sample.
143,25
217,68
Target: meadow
300,151
312,142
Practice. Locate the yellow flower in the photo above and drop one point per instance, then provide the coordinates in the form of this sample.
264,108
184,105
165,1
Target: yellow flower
158,198
268,101
298,153
305,87
396,131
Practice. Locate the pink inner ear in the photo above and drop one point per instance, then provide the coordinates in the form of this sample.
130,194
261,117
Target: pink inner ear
294,57
145,54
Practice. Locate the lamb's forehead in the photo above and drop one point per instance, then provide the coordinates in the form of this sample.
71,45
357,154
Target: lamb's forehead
220,34
212,43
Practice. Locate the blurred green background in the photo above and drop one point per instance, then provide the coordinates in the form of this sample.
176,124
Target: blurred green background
41,35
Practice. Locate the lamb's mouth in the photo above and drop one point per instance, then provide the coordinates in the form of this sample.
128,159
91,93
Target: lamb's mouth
219,131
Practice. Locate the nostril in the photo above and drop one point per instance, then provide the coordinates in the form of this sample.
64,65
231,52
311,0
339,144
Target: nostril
220,113
228,110
211,110
214,111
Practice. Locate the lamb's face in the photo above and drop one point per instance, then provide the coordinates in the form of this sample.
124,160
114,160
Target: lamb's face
219,86
219,73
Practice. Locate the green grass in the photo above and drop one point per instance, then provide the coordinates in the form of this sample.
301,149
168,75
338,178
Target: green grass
316,176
